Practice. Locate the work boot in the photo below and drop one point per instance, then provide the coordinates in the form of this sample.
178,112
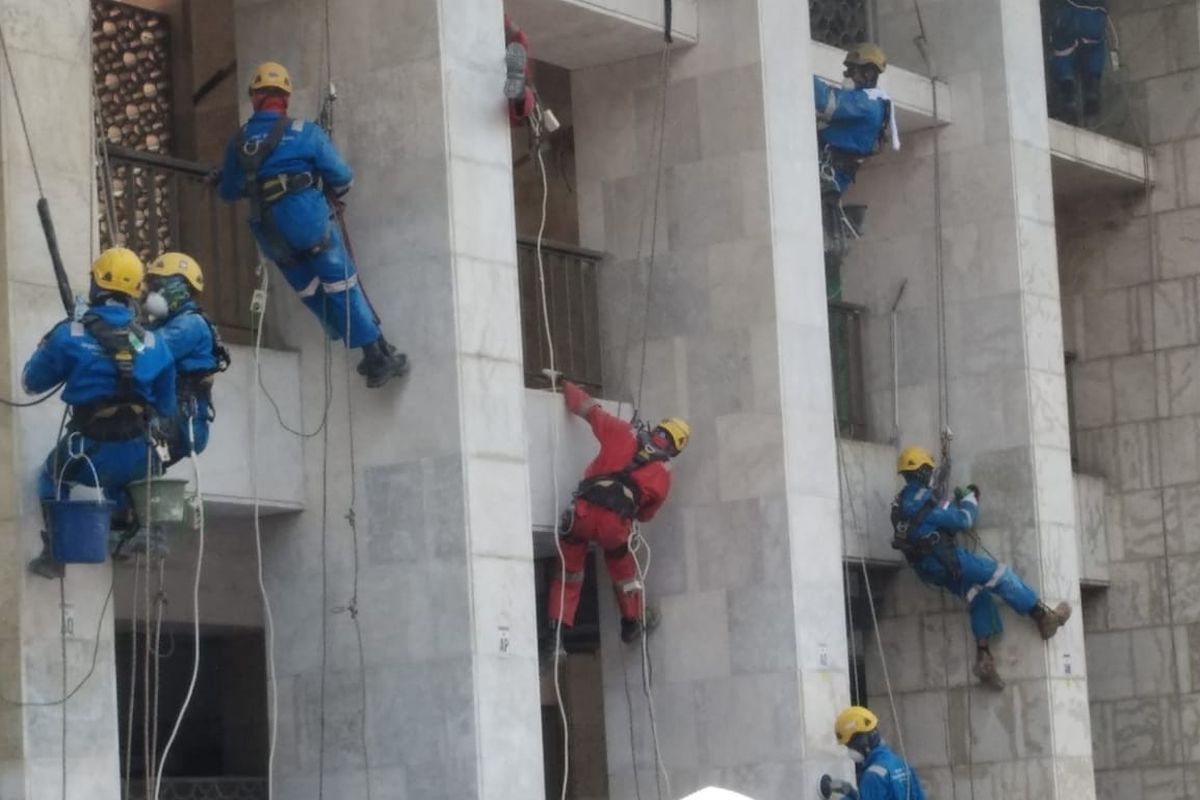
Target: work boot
44,566
515,59
631,629
985,670
1049,620
381,363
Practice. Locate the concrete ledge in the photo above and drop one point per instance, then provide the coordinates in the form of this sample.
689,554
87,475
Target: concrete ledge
1085,162
1092,524
911,92
225,465
586,33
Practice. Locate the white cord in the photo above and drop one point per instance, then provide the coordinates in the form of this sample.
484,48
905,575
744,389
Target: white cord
187,698
638,542
554,444
269,622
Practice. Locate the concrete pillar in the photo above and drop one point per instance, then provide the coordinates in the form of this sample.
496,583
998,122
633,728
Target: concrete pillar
1130,276
750,660
444,553
50,51
1007,401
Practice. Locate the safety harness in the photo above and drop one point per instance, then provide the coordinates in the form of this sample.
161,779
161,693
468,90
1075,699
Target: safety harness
197,384
264,194
939,543
616,491
123,415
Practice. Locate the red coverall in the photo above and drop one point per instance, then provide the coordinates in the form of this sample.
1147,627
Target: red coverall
618,447
522,107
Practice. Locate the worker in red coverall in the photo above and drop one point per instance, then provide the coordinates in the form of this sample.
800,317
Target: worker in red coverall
518,86
628,480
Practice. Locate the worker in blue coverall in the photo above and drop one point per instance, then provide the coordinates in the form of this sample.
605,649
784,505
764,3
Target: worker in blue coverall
882,775
286,168
853,120
119,379
174,282
924,528
1077,39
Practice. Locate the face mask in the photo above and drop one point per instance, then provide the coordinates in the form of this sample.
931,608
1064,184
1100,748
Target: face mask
848,83
855,756
155,306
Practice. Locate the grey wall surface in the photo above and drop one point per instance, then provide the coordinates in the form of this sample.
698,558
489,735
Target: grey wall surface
1007,400
445,578
750,659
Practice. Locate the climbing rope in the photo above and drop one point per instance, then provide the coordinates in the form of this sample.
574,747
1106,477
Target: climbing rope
199,527
258,310
638,542
843,492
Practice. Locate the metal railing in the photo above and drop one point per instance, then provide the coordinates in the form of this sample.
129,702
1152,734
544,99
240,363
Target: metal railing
840,23
846,351
164,203
571,292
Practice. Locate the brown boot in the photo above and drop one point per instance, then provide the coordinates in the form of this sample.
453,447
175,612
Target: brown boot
1049,620
985,670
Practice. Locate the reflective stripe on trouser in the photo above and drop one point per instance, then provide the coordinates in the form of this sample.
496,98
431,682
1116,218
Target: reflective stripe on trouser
117,464
324,283
981,578
574,553
627,589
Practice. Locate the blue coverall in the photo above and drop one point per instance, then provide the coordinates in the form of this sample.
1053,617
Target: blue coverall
300,221
855,119
190,340
885,776
1078,37
70,354
975,577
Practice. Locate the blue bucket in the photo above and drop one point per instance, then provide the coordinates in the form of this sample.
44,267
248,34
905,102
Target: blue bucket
79,530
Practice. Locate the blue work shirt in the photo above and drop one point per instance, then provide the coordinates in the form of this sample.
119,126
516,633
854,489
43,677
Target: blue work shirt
68,353
189,338
958,515
885,776
854,118
301,217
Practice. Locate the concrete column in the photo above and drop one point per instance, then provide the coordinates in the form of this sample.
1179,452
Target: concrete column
1007,401
50,51
750,660
444,553
1130,302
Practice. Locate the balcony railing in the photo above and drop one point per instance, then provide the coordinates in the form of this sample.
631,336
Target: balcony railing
840,23
203,789
571,289
846,351
163,204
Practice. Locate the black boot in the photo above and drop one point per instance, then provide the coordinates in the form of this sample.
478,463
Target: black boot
381,363
44,565
631,629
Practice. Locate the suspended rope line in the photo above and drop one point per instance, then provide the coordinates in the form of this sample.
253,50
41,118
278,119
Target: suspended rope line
258,311
187,698
638,542
133,673
843,493
12,80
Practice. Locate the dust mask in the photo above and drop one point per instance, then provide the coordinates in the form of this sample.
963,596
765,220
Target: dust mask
155,306
855,756
848,83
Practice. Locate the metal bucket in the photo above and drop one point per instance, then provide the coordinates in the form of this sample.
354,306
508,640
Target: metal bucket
161,501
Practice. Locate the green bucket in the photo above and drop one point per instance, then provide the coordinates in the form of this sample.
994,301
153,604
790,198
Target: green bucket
161,501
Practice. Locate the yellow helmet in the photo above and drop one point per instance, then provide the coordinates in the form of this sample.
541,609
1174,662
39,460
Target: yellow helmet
271,75
178,264
677,431
119,270
913,458
854,720
867,54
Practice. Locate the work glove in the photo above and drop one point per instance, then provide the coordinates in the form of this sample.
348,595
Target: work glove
969,491
577,399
